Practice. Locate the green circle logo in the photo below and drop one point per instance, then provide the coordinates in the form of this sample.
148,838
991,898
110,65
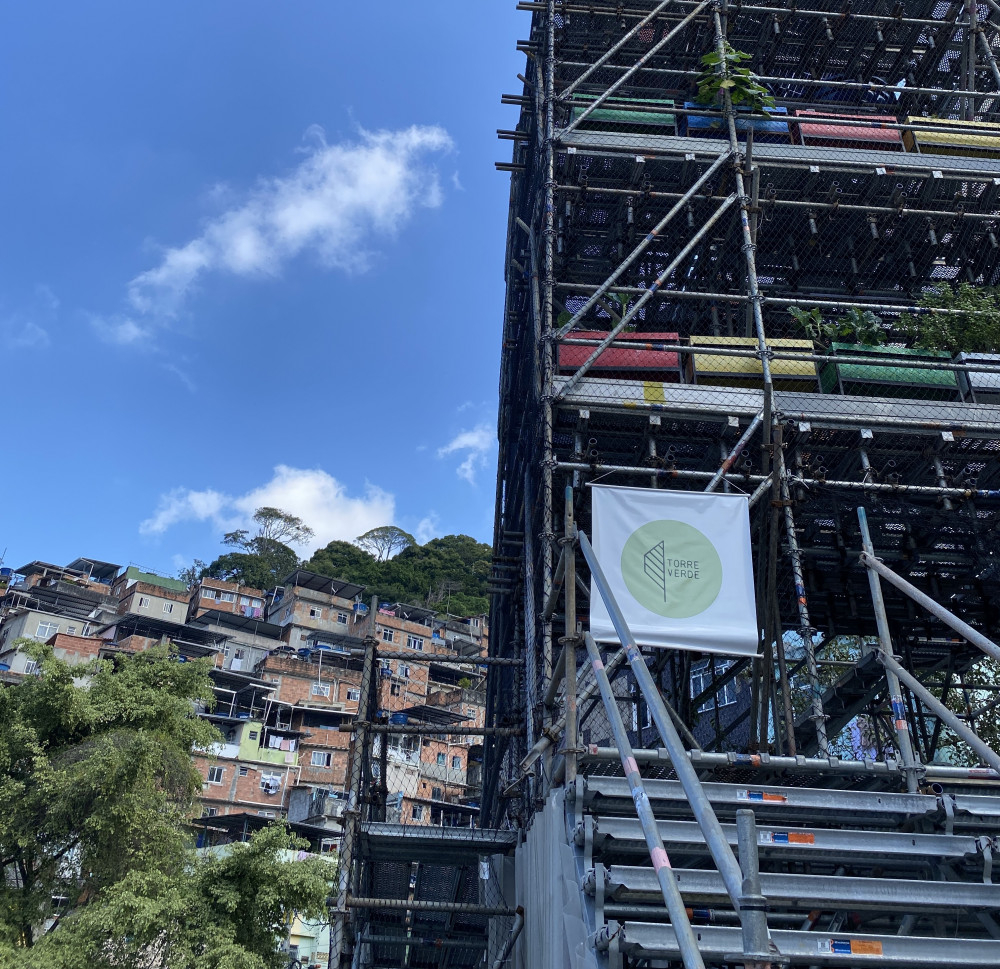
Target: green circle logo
672,569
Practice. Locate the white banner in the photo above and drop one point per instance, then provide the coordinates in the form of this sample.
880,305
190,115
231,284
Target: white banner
679,566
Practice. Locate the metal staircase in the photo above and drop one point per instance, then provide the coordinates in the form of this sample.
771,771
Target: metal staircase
852,877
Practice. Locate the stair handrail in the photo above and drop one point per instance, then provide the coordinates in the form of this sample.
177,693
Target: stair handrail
701,807
647,820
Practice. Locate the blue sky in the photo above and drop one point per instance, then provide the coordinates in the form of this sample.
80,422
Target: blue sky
252,253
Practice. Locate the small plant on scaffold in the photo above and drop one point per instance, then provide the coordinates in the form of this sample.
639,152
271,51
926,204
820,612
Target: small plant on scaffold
722,72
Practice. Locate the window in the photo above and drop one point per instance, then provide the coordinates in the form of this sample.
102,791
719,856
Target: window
228,597
315,612
143,602
321,758
31,667
354,694
245,600
395,689
168,607
244,771
342,618
71,630
388,636
403,671
215,775
209,812
270,783
701,680
415,642
265,814
435,793
253,734
456,763
46,630
440,760
320,689
417,812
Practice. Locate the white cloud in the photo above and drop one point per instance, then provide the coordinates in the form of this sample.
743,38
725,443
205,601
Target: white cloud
316,497
333,204
122,331
477,444
23,329
427,528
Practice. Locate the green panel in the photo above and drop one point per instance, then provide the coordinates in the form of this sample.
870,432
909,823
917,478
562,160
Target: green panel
881,376
624,116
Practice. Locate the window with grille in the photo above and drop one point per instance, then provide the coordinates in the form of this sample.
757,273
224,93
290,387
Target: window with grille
46,630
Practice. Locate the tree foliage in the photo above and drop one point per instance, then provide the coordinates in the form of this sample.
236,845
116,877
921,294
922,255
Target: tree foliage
96,783
975,328
385,541
448,573
723,73
227,911
263,558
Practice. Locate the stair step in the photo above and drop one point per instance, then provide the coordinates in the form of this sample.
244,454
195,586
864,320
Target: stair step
807,892
609,793
625,834
649,940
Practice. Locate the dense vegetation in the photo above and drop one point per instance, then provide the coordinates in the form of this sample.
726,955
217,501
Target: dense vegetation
448,573
96,784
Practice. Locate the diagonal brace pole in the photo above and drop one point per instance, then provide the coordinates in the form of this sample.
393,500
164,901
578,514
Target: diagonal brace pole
662,42
646,297
604,58
639,249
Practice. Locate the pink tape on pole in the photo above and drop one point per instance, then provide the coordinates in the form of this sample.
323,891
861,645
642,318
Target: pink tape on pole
598,664
659,858
630,765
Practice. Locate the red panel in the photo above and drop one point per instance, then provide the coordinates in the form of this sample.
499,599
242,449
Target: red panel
842,133
619,358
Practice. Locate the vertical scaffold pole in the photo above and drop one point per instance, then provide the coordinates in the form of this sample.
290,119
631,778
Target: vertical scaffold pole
548,284
818,715
569,641
352,812
910,764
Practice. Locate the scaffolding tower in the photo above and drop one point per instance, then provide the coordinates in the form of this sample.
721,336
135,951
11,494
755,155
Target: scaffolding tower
774,295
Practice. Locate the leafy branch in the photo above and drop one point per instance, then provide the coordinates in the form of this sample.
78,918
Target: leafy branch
722,72
863,326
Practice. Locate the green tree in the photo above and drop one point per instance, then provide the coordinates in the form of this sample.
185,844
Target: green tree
226,911
449,573
385,541
974,328
263,559
344,560
95,782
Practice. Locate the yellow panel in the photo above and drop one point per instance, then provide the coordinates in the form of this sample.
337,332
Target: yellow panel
711,363
653,393
989,141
